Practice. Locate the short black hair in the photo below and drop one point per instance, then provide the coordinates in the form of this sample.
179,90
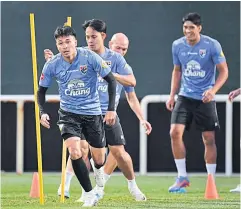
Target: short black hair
64,31
194,17
96,24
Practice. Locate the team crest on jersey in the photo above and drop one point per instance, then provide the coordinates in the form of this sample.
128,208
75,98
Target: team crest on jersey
108,63
202,52
83,69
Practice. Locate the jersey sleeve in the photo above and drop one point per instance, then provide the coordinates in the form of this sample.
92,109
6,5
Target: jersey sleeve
46,75
217,53
128,89
122,67
99,65
175,58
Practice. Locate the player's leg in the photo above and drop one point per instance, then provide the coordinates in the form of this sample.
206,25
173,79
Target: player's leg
71,127
82,174
94,133
78,163
85,152
69,169
110,166
181,119
116,141
69,173
124,160
125,164
236,190
206,119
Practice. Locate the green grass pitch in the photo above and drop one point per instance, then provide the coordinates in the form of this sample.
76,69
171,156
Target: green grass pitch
15,193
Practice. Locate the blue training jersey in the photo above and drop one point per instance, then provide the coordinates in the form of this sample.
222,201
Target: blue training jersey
77,81
118,64
198,64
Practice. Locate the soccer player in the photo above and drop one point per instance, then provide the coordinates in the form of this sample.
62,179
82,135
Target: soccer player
76,70
120,43
95,31
95,36
196,58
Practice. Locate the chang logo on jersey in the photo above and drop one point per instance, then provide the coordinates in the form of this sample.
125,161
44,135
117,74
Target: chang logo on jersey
102,86
100,79
194,70
76,87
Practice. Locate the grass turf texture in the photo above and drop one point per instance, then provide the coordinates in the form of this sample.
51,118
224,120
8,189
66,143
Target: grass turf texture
16,188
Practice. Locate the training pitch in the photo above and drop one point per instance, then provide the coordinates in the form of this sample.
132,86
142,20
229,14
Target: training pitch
16,188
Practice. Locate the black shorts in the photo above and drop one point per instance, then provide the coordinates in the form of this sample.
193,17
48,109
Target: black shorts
114,134
204,114
91,126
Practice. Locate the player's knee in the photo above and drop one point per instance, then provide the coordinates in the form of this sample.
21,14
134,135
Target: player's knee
175,134
119,154
209,141
75,153
208,138
100,161
85,152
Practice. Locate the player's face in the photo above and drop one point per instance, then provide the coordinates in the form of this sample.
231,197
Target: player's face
191,31
94,39
66,45
119,47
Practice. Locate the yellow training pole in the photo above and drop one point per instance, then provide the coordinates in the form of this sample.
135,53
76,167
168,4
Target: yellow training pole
35,83
69,21
64,149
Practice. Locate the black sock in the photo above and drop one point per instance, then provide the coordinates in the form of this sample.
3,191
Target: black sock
99,166
82,174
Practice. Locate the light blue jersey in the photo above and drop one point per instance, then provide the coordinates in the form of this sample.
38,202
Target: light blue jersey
77,81
118,64
198,65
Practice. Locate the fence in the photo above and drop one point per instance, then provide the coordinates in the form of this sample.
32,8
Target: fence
21,99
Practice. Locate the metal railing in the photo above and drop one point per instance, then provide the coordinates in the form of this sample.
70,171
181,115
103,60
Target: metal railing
21,99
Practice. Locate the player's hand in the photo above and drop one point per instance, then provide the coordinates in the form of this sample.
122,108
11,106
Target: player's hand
48,54
147,126
115,75
233,94
208,96
170,103
45,120
110,117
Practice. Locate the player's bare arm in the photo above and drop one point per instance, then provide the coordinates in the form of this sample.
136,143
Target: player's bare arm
135,106
233,94
126,80
222,77
48,54
176,77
